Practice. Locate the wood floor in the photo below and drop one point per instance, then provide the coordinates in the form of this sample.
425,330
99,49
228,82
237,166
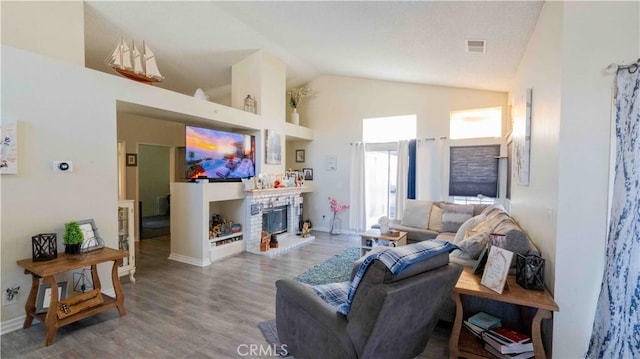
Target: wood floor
176,310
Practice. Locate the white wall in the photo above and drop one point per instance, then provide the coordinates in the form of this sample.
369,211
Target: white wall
336,112
51,28
67,112
572,43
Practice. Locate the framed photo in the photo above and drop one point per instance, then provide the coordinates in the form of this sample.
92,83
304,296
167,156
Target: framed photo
307,174
44,296
299,155
132,159
92,239
496,269
331,162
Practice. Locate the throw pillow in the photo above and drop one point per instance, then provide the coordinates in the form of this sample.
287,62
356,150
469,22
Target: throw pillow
472,247
416,213
467,226
454,215
435,219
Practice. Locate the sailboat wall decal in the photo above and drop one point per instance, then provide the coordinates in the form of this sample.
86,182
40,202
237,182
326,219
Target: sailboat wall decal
130,63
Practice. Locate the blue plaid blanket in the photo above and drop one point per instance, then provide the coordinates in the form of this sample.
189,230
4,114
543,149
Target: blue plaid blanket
340,295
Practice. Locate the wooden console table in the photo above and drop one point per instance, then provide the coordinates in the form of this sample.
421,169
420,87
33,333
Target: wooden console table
463,344
47,271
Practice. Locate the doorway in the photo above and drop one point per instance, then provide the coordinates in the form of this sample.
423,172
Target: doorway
154,166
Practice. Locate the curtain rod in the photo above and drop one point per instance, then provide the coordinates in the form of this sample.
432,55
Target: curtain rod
614,68
417,139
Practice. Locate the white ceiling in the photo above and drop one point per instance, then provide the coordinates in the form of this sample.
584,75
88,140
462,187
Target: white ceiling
196,43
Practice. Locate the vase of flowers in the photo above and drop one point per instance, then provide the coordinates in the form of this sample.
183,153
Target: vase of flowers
336,208
295,97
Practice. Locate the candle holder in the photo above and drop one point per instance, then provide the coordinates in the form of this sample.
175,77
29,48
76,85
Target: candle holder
44,247
530,271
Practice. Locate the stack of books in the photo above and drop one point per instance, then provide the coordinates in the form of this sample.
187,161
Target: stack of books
501,341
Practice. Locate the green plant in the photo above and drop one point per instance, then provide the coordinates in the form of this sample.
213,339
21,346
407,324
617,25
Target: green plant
72,233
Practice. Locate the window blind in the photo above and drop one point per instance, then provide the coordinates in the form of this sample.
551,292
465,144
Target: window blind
473,170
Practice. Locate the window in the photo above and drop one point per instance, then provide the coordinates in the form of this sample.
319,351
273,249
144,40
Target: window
388,129
381,162
480,123
473,171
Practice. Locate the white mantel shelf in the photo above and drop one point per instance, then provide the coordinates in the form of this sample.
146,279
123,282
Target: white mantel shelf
283,190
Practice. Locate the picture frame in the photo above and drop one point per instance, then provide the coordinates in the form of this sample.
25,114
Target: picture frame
92,239
331,162
9,148
273,148
497,269
481,262
307,174
43,300
299,156
522,138
132,159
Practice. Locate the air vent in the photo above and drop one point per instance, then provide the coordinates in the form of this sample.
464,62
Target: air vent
476,46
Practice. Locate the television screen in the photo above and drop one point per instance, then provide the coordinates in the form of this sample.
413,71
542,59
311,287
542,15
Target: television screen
219,155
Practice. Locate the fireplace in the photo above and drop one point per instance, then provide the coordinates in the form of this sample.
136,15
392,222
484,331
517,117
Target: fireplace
274,220
277,212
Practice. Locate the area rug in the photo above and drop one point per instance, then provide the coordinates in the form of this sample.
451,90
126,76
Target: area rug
270,333
335,269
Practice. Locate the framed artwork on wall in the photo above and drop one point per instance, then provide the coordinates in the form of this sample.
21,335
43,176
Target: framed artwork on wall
522,138
9,149
299,156
273,148
132,159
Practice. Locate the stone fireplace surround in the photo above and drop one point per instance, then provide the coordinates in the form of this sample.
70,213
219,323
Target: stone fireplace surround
256,201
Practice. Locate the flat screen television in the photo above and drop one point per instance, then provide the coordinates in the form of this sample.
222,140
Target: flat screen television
219,155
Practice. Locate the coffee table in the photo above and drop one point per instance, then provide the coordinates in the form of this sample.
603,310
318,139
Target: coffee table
373,238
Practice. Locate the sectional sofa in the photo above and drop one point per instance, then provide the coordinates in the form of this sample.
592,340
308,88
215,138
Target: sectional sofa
471,227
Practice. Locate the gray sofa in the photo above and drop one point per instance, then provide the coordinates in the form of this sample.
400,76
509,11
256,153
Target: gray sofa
392,316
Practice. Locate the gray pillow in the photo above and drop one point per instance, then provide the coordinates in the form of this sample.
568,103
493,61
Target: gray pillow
454,215
416,213
472,247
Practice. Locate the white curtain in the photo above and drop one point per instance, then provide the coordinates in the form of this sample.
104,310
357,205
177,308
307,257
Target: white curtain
357,213
615,326
402,177
429,170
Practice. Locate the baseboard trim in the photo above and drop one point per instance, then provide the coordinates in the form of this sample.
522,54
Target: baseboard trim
12,325
189,260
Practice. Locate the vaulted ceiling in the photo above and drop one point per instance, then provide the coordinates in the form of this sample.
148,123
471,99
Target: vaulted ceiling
196,43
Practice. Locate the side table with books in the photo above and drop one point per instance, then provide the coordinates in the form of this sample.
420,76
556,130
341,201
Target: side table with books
463,343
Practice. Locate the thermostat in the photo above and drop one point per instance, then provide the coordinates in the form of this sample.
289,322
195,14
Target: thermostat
62,166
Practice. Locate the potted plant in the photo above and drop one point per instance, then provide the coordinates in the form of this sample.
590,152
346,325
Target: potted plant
73,238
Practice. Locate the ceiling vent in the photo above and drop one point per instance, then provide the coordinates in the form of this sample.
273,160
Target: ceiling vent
476,46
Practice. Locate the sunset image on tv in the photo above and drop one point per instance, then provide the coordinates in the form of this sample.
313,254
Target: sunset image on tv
218,154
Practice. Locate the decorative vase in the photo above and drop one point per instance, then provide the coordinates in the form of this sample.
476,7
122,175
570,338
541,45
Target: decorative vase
295,117
336,223
384,228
